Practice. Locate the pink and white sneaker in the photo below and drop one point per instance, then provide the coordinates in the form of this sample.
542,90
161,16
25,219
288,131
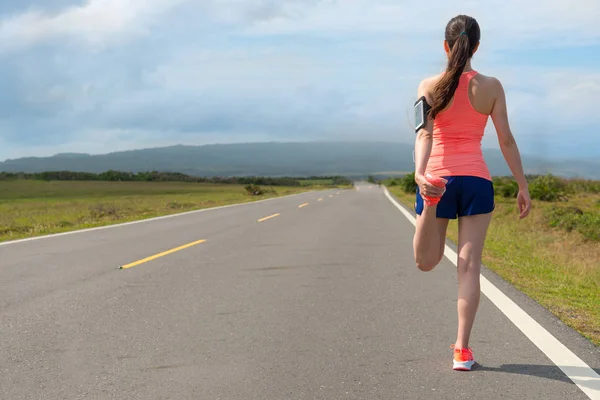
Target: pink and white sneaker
463,359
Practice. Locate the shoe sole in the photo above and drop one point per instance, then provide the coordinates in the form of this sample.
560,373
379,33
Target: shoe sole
463,366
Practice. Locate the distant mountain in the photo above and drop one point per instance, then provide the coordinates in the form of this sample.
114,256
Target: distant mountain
279,159
65,155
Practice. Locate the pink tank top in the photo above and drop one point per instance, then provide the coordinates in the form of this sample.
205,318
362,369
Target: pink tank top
457,134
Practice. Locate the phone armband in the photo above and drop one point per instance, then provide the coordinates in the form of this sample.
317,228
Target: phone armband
421,111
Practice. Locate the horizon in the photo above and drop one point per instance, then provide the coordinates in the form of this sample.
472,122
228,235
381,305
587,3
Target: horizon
119,76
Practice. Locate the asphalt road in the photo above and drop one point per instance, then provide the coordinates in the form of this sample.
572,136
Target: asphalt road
318,302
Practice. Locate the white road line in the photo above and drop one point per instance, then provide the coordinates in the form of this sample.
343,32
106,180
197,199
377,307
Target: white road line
573,367
149,219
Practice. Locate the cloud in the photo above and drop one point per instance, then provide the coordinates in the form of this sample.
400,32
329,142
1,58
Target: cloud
100,21
105,22
105,75
503,20
97,22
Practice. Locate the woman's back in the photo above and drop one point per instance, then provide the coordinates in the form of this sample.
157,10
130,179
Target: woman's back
458,129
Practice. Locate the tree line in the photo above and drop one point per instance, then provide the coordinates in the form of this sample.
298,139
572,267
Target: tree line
156,176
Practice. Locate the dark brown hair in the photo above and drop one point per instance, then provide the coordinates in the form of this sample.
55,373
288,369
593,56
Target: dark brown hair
462,35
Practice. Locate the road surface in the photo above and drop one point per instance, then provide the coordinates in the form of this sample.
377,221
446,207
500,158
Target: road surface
318,300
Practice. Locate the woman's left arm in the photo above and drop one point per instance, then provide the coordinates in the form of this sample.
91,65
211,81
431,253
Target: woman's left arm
423,145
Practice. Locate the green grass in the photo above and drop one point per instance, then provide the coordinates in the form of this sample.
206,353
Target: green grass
32,208
557,267
316,182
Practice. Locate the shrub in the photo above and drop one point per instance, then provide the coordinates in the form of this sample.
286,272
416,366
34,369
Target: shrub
573,218
408,183
505,187
393,182
589,226
253,190
583,186
548,188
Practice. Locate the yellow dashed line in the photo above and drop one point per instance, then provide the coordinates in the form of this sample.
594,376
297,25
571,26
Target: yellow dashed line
164,253
269,217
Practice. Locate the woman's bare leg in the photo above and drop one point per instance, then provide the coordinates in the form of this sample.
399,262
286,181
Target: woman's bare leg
472,231
430,238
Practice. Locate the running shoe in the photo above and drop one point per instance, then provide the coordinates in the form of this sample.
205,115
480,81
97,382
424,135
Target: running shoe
463,359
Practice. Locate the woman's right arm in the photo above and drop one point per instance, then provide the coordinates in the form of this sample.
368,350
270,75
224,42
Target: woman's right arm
509,148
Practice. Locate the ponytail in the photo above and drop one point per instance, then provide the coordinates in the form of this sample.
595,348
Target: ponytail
462,43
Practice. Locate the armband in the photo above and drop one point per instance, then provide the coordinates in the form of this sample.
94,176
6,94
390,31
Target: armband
421,111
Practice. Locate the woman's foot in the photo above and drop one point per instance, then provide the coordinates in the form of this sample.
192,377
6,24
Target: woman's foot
436,181
463,359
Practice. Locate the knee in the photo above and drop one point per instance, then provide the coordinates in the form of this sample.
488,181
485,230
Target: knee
425,267
427,264
469,265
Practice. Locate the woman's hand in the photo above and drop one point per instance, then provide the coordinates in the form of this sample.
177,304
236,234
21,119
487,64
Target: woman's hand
523,202
428,189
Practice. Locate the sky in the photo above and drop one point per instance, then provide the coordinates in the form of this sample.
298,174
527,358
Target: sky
98,76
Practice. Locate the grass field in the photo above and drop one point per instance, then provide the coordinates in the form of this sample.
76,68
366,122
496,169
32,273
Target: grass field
316,182
556,264
31,208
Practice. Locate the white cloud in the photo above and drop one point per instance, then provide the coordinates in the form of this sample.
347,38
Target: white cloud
569,95
101,22
96,22
550,110
502,21
239,70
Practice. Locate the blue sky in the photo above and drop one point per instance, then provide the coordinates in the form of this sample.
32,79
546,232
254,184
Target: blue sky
105,75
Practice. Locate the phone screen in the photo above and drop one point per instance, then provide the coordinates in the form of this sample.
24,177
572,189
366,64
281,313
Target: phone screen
419,115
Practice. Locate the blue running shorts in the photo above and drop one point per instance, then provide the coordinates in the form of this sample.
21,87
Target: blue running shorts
465,195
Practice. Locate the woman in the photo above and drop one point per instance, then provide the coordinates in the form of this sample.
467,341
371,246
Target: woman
452,177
